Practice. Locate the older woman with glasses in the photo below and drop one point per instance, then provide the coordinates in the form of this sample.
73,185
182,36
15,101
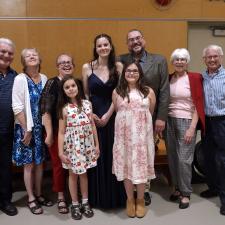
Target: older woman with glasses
185,110
28,148
49,99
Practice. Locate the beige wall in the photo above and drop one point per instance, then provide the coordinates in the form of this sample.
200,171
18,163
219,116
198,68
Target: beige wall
199,36
77,22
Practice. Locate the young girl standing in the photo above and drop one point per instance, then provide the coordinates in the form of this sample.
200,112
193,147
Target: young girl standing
78,142
133,150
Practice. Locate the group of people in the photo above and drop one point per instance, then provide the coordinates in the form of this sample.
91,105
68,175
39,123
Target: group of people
102,129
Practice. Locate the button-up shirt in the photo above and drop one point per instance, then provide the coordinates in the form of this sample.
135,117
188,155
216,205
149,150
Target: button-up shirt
214,92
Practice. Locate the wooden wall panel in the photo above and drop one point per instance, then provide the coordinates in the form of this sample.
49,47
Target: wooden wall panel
213,9
195,9
113,9
76,37
17,32
164,30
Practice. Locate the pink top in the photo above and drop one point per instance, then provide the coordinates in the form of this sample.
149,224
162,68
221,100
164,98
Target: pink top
181,104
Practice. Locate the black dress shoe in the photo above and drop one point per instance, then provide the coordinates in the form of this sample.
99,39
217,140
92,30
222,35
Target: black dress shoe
147,198
222,210
8,208
175,196
208,194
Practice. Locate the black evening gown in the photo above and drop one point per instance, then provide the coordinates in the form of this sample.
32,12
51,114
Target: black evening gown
104,190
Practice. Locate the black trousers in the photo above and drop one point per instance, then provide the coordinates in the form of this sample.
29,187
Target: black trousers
6,144
214,155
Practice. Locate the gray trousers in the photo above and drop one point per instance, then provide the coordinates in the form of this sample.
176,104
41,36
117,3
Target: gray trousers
180,155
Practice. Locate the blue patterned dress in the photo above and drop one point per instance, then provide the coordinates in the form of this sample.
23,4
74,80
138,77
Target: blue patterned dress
22,154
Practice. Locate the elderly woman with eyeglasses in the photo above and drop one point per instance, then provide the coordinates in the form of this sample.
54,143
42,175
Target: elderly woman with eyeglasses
49,99
185,110
28,150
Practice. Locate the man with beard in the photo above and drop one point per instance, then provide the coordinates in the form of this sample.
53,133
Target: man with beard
7,76
155,71
49,99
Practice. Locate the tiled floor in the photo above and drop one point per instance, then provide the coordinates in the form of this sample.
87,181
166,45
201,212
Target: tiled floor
160,212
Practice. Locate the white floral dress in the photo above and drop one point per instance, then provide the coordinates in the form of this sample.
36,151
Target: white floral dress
79,141
133,149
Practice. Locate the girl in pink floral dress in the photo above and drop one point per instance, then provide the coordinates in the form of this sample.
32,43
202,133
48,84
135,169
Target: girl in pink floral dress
78,142
133,150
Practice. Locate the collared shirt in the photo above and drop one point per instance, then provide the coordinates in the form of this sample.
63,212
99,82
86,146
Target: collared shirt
142,60
214,92
6,113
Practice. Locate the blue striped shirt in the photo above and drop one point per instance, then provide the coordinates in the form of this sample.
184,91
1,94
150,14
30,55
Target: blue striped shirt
214,92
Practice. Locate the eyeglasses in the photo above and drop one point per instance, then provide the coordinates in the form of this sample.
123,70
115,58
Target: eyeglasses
180,60
132,71
138,38
212,57
63,63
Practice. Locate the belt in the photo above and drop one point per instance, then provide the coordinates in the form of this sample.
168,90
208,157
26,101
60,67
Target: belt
215,117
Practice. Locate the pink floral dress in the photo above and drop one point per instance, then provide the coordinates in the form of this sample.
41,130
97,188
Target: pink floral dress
133,149
79,141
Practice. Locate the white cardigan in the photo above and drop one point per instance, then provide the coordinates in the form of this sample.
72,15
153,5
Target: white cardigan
21,98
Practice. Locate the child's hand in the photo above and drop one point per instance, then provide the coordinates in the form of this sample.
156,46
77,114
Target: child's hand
97,152
104,120
64,159
97,120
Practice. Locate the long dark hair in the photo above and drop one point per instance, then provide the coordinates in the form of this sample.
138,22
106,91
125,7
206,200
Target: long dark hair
64,99
123,87
113,74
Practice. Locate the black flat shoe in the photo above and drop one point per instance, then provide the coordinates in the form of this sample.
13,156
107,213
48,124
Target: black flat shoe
175,196
9,209
208,194
222,210
184,205
147,198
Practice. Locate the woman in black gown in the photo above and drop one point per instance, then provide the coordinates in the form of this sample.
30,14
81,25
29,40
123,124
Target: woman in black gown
100,77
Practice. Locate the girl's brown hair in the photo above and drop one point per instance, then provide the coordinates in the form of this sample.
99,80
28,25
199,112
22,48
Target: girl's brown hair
123,87
64,99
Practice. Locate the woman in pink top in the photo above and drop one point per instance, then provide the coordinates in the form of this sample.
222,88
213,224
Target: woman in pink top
185,110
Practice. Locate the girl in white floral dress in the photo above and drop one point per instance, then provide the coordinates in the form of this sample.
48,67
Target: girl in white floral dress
78,142
133,150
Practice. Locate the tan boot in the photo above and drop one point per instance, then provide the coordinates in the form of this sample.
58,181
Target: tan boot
140,208
130,208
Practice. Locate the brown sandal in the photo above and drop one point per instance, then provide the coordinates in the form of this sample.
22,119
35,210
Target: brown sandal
62,206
